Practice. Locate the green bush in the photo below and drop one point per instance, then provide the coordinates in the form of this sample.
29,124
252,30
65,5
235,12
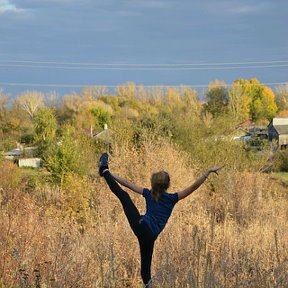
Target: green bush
281,161
73,153
27,138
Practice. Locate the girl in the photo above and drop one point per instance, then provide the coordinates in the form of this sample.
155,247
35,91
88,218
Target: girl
159,206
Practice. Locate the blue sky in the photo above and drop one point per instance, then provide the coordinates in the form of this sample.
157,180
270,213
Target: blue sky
61,45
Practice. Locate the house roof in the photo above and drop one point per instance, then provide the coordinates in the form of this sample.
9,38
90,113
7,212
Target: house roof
280,121
105,136
14,152
18,151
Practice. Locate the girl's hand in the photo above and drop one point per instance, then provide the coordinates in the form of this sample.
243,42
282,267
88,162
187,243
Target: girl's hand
215,169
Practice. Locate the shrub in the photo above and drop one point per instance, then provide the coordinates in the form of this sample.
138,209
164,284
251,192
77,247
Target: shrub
281,161
73,153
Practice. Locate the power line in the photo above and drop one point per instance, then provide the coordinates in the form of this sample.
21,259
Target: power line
23,84
6,62
144,68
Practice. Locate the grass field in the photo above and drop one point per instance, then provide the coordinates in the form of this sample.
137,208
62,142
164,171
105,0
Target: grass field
282,176
232,232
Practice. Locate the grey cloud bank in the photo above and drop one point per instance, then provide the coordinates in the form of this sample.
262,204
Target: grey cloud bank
140,32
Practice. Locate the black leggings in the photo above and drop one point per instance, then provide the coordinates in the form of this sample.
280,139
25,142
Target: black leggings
144,235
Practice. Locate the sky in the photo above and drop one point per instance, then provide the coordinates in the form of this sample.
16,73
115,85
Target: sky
65,45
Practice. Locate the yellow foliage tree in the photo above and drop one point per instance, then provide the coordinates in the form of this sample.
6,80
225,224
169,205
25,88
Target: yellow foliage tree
126,90
239,102
77,194
259,99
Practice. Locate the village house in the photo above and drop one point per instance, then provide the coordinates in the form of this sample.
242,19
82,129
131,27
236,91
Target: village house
23,157
278,131
106,137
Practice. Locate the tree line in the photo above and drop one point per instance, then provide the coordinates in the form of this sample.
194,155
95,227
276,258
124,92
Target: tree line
61,128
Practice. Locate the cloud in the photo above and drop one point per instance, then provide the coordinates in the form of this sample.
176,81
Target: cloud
7,6
152,4
247,9
237,7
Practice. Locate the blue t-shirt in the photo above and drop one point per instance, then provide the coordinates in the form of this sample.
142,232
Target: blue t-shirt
158,213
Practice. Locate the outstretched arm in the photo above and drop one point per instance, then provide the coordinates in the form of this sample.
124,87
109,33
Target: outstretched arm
128,184
189,190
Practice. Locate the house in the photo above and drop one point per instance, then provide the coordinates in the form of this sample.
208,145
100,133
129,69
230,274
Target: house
13,154
29,162
278,130
247,131
106,137
23,157
19,153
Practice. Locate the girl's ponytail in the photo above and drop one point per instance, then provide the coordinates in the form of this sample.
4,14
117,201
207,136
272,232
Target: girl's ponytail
160,182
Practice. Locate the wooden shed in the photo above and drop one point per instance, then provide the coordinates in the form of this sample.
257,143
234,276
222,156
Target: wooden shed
106,137
278,130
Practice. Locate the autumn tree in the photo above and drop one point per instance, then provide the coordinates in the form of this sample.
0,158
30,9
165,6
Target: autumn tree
191,101
30,102
71,153
216,98
260,99
264,106
126,90
3,112
14,123
3,103
93,92
93,115
45,126
73,102
173,99
3,99
238,102
281,98
52,99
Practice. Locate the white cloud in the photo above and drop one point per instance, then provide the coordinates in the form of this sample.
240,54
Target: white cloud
154,4
7,6
247,9
241,7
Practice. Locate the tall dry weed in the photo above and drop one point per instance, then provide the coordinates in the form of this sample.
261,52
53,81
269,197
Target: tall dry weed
232,232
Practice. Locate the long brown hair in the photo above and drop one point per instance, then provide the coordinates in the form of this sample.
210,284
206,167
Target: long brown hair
160,182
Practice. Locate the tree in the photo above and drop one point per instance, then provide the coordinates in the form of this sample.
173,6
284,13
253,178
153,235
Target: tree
30,102
52,99
93,115
216,98
281,97
259,98
127,90
71,153
3,103
73,102
238,102
269,107
191,101
45,126
101,116
3,99
93,92
173,99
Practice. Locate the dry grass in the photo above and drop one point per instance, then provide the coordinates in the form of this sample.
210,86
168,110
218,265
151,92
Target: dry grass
231,233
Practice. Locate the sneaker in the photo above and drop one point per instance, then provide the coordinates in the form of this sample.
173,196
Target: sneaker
103,163
149,284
